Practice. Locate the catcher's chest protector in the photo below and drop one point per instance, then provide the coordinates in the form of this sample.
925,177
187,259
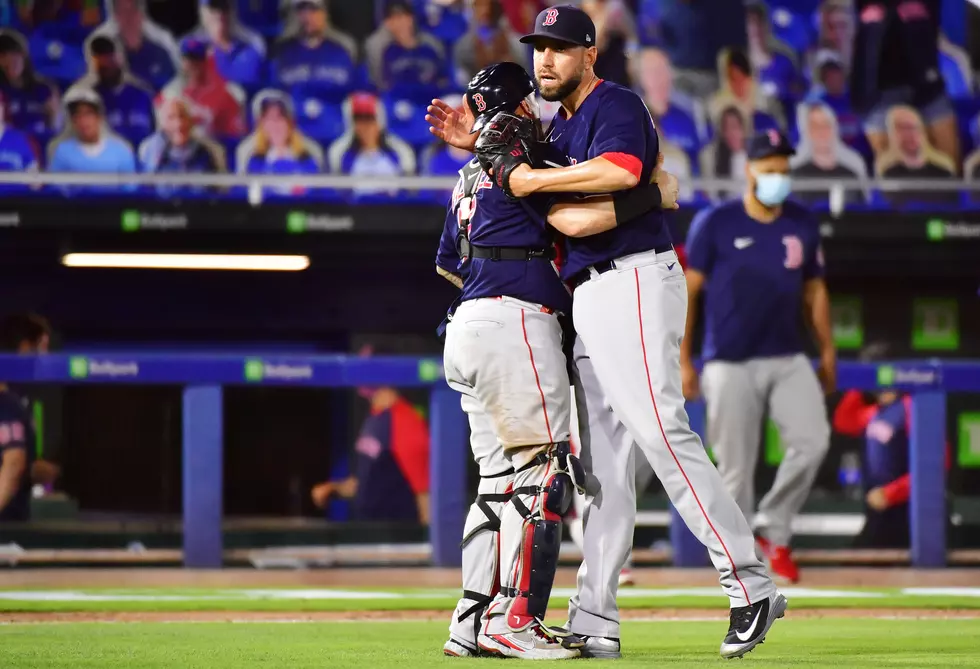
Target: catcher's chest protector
464,200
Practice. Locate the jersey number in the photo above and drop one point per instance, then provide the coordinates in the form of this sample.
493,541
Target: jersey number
794,252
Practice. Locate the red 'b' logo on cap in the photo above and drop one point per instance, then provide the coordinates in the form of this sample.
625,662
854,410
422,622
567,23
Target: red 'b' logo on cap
774,137
550,17
480,103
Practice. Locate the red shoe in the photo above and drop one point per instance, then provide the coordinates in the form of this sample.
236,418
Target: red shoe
782,565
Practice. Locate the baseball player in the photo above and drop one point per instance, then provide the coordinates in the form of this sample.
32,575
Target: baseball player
504,354
758,261
629,310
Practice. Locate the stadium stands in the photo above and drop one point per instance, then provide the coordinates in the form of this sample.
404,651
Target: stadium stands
791,72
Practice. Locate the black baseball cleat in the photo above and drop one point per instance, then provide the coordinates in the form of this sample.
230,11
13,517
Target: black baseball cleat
749,625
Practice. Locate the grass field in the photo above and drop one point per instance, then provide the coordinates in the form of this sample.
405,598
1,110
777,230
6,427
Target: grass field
250,628
828,642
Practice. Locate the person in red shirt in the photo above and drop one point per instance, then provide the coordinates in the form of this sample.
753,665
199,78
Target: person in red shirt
218,105
883,420
390,479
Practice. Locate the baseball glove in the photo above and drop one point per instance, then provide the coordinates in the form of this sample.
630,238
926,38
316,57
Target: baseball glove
504,144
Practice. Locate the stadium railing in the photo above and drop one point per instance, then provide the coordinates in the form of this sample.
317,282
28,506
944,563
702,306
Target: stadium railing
204,376
256,185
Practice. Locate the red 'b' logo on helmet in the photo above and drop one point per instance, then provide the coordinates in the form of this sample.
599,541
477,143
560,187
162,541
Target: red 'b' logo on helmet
550,17
480,103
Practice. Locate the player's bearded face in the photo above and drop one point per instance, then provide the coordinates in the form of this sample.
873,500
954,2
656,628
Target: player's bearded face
559,71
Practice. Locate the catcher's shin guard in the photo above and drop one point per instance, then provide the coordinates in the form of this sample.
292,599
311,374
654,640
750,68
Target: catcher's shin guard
543,491
481,550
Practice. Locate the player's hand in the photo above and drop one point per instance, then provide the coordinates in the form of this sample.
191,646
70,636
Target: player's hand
321,494
668,183
449,125
690,385
669,190
877,499
828,371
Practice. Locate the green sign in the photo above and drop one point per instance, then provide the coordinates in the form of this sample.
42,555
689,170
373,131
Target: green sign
78,367
429,370
969,433
935,324
296,222
131,220
254,370
935,230
847,319
886,375
775,451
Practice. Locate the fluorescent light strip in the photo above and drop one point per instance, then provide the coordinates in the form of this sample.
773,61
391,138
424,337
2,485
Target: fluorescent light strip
188,261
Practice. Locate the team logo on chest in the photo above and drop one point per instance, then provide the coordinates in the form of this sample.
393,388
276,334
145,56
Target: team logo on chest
550,17
481,104
794,252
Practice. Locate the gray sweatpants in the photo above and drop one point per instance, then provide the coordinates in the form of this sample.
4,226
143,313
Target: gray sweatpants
737,394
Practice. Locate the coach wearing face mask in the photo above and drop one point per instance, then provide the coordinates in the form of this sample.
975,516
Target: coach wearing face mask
758,262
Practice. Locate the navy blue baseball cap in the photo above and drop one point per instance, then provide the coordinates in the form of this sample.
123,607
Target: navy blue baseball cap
564,23
769,143
194,48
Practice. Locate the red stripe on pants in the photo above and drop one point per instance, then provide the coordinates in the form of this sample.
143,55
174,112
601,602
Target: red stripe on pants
656,412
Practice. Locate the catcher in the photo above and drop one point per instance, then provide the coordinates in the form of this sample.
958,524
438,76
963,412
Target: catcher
504,354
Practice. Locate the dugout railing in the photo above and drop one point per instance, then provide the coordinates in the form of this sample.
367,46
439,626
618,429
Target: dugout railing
203,378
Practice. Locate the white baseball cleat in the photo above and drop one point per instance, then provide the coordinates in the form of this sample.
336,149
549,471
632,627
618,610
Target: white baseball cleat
531,643
601,648
749,625
456,648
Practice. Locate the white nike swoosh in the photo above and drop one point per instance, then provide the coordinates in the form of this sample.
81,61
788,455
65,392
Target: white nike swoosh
743,243
551,164
748,633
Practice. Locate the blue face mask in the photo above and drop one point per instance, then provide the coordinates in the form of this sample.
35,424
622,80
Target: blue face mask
772,189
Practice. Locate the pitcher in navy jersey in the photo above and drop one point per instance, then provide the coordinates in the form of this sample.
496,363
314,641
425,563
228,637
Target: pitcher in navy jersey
758,261
629,310
504,354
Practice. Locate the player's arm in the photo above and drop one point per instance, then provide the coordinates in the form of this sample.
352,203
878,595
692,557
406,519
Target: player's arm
607,173
592,215
618,150
410,447
12,470
454,279
700,260
447,257
816,302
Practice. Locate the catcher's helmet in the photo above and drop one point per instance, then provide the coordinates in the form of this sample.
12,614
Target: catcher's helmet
497,88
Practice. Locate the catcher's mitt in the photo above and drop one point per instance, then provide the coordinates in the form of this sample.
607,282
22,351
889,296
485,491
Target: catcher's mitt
504,143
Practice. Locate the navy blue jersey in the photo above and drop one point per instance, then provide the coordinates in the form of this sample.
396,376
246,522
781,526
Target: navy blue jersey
391,464
612,122
29,109
499,221
129,110
152,63
325,70
16,432
754,279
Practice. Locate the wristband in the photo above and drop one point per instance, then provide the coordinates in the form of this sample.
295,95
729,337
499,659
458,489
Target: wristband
636,201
